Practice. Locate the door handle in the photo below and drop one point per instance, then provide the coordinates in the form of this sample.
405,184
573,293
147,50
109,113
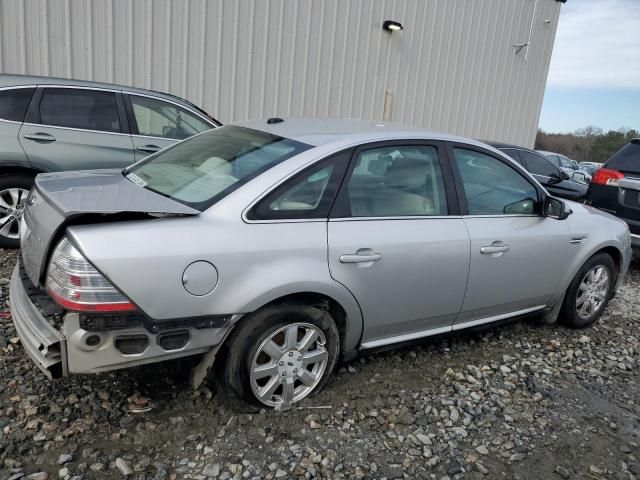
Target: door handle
496,248
360,257
149,148
40,137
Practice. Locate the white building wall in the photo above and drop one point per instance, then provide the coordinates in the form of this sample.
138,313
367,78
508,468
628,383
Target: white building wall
453,68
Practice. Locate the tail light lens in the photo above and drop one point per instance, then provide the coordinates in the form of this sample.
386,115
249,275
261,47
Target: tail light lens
606,176
76,285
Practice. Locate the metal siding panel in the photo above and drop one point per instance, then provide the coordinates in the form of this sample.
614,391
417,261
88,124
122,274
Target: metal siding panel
452,68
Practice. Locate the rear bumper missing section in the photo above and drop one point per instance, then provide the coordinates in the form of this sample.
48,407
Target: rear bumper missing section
44,344
69,351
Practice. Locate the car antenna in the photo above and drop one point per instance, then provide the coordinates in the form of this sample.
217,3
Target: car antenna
274,120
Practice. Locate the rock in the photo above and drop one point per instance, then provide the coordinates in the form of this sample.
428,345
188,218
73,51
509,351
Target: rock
124,469
281,473
63,472
517,457
65,458
211,470
593,470
482,450
38,476
563,472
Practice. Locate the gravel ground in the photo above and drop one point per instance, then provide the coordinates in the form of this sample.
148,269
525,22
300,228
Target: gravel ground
518,401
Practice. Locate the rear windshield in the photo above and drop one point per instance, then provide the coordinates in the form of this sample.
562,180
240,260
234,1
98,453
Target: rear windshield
627,158
203,169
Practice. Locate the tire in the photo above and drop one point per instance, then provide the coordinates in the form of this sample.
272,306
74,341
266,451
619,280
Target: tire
575,313
13,193
244,351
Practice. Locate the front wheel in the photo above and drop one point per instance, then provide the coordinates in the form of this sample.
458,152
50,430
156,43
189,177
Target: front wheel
280,355
590,291
14,190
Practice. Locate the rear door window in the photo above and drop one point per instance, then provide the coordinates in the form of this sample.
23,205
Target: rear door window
539,165
627,159
80,108
513,153
309,194
14,103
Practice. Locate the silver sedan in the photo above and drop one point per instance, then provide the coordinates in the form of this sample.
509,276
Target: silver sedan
277,247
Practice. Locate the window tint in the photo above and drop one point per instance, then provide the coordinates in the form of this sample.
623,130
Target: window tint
538,165
513,153
627,158
14,103
86,109
156,118
492,187
309,194
397,181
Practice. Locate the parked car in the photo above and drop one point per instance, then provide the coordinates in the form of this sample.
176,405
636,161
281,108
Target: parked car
280,246
590,167
55,124
555,180
566,164
615,188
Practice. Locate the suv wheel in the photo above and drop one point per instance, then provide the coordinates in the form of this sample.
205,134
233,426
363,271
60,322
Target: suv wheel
280,354
14,190
590,291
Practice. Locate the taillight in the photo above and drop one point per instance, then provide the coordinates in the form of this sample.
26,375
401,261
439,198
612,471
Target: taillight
606,176
76,285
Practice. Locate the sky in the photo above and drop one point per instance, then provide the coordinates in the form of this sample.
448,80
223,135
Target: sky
594,77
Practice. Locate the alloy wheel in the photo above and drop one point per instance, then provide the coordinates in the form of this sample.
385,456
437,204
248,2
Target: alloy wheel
12,203
592,292
289,364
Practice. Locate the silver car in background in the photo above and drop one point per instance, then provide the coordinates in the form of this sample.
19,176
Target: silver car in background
280,246
56,124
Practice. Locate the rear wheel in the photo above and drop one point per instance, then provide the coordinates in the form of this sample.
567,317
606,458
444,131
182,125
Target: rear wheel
590,291
279,355
14,190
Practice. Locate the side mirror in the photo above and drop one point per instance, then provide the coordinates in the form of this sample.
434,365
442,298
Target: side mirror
564,175
555,208
555,178
579,177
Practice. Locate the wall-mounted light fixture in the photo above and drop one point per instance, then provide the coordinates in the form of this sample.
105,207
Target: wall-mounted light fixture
391,26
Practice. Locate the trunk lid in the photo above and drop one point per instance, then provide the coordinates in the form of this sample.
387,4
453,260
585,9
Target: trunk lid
57,198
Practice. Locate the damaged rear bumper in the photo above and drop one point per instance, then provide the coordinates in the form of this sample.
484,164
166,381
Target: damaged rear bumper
73,349
44,344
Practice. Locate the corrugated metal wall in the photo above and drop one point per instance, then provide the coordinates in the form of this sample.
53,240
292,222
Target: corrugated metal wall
453,67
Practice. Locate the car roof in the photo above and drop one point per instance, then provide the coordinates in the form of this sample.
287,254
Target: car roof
11,80
320,131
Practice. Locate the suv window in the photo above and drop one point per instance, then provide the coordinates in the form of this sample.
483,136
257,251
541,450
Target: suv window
308,194
80,108
627,159
156,118
492,187
14,103
397,181
539,165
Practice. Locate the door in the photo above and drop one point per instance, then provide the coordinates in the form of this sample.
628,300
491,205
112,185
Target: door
76,129
156,124
397,243
517,255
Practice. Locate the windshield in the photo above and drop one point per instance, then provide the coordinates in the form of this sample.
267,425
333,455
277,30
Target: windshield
203,169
